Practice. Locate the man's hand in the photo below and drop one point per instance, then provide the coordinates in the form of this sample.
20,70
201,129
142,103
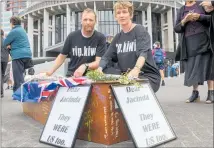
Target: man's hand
8,47
49,73
134,73
209,8
80,71
206,3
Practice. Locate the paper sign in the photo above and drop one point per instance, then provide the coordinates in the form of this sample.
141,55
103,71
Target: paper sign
64,119
143,114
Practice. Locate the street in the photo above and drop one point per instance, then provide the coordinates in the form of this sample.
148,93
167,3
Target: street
192,123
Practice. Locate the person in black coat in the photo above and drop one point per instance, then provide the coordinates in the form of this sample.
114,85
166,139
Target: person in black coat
195,52
4,61
209,7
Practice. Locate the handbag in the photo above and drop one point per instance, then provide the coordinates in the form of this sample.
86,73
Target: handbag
28,63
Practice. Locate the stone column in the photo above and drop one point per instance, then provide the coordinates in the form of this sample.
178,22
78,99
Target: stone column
39,37
53,29
46,29
162,31
97,13
144,18
149,21
30,32
68,18
73,22
170,30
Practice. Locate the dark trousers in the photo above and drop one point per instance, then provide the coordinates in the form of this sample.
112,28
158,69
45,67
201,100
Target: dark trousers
18,67
3,69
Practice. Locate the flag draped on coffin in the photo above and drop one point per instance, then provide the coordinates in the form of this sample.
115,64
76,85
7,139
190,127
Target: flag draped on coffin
38,91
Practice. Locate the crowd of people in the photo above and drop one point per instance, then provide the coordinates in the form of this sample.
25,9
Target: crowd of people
129,51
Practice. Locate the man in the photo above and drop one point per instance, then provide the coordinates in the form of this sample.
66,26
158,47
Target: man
85,47
18,44
159,55
4,61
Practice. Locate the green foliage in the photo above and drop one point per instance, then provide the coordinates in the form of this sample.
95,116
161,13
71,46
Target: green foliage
95,75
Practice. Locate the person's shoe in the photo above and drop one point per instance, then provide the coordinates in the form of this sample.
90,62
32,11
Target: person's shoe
8,87
194,97
210,97
2,95
163,83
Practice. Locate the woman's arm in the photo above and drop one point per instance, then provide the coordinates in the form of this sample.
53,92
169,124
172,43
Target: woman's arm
179,25
110,54
143,46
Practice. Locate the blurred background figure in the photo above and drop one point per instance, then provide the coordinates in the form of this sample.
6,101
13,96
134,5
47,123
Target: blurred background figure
159,55
4,61
8,78
175,69
109,38
18,44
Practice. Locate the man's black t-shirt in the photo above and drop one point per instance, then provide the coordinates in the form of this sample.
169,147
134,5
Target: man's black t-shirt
83,50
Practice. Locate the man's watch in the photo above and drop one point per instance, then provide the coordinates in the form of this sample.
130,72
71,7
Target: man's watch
86,65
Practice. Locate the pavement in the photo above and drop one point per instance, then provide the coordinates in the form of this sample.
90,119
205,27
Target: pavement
192,123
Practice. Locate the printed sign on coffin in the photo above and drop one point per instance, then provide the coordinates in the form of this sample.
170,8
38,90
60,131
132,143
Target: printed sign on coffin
143,114
64,119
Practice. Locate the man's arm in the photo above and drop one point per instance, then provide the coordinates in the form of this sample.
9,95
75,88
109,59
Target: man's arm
62,56
9,39
95,64
101,48
110,54
58,62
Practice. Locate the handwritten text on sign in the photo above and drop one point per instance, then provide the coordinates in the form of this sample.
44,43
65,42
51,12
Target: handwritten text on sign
143,114
61,127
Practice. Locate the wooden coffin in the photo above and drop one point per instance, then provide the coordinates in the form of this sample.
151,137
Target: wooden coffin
102,121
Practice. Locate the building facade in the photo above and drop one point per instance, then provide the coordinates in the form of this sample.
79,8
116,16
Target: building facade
15,6
49,22
5,19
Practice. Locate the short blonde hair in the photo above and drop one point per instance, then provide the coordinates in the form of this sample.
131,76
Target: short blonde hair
89,10
124,5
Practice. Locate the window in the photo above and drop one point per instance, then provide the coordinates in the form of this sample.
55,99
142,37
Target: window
107,23
165,17
61,28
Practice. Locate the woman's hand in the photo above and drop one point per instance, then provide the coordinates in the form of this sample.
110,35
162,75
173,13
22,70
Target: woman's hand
195,16
134,73
100,70
187,18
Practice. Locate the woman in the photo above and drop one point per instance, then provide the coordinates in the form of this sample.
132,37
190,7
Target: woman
131,47
193,23
209,7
